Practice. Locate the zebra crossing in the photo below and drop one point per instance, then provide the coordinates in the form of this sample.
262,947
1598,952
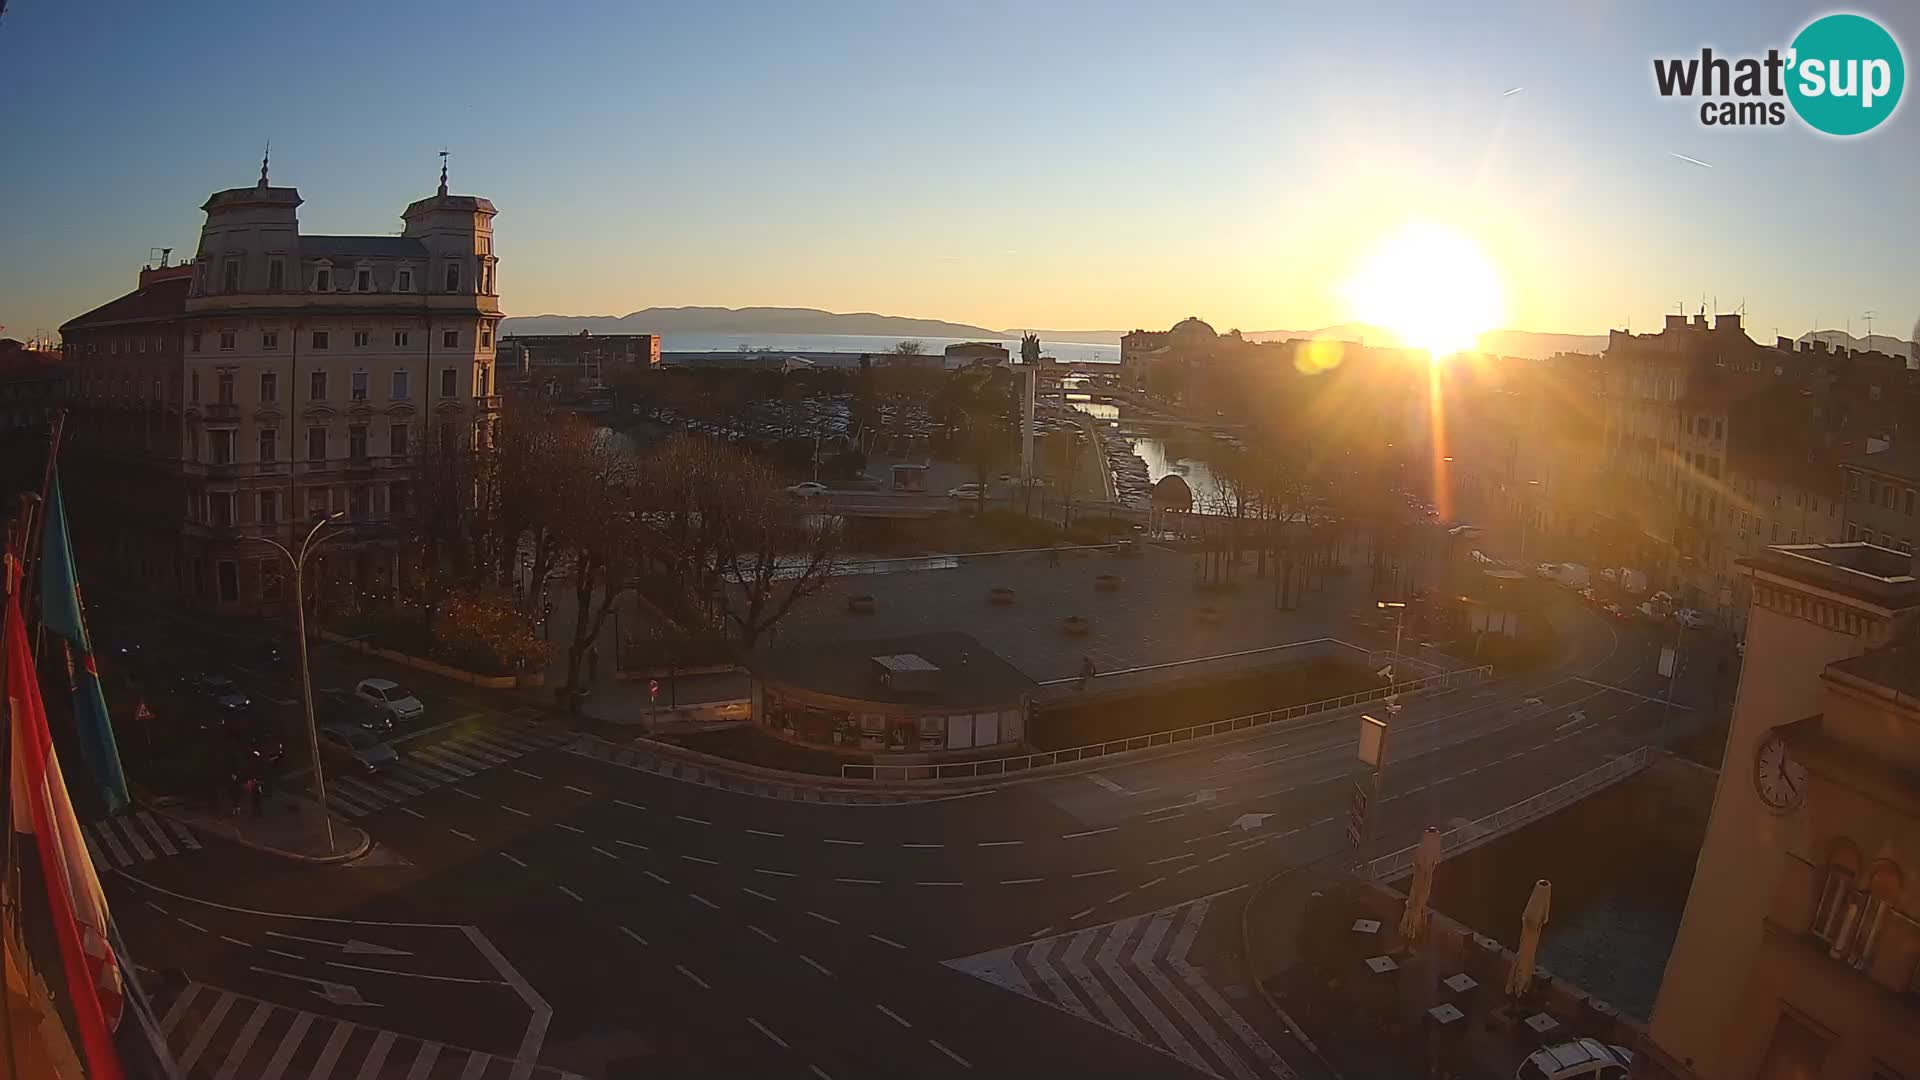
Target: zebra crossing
136,837
1133,977
217,1034
449,761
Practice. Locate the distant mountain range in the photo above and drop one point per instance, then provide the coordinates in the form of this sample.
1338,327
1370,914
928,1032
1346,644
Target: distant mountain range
788,320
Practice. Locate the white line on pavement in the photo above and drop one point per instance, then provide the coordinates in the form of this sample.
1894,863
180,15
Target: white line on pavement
886,941
1188,869
1081,914
1117,897
413,974
1040,933
158,908
771,873
828,919
1022,881
463,791
693,820
1222,855
1000,843
923,846
1152,883
857,880
957,1059
569,892
1089,832
571,828
1094,873
235,941
710,905
631,844
534,776
894,1016
514,810
1170,858
932,884
701,861
656,877
415,813
762,1029
842,843
629,805
288,955
757,893
580,790
608,854
763,832
819,1072
695,979
633,935
513,860
763,933
815,965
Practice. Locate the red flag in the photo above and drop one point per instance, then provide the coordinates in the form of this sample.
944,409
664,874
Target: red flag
76,906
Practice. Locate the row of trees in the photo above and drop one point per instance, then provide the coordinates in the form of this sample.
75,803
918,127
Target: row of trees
545,499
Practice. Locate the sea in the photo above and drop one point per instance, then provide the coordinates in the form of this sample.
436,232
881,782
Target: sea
875,344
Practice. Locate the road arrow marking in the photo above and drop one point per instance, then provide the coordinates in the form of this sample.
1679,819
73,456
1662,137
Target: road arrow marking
1250,822
338,993
351,945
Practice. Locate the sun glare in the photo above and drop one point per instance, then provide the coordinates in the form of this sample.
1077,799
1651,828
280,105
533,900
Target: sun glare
1431,287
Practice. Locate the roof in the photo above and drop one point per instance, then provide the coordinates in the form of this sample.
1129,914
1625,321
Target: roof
1895,667
1863,572
1900,461
327,247
160,300
962,673
1553,1059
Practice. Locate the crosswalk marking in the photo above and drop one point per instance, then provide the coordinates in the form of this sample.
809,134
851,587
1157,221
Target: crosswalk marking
205,1025
427,768
1132,976
124,840
153,829
133,836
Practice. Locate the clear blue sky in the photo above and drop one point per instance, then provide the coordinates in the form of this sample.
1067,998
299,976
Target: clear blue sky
1065,165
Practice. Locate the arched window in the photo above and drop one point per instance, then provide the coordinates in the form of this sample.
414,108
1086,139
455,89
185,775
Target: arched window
1880,891
323,276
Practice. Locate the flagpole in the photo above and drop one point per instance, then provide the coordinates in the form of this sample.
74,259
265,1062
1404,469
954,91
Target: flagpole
29,547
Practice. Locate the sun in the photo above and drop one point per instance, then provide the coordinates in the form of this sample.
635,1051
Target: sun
1431,287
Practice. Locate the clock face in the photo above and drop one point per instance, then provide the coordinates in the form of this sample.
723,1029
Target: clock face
1780,780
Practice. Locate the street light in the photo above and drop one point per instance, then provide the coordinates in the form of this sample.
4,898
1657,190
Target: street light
299,563
1399,624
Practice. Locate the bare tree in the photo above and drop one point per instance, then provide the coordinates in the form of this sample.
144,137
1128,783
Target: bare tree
597,482
773,552
909,348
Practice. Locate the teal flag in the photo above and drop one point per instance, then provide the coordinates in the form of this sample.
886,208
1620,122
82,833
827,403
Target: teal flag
60,614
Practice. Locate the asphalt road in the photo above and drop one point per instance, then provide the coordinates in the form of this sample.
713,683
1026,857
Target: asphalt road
528,902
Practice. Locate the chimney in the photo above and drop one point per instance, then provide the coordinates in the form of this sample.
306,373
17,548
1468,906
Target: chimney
1726,322
1676,322
1784,344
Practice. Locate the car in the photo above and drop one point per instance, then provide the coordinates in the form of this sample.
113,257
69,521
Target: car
356,749
1464,529
218,689
1609,575
352,710
1690,618
966,491
1589,596
397,700
1546,569
1581,1059
1614,610
1648,611
807,490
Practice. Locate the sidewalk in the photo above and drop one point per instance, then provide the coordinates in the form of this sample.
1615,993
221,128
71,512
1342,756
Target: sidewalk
288,826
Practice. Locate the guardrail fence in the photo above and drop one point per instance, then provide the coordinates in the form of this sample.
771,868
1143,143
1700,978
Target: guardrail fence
1505,820
1005,766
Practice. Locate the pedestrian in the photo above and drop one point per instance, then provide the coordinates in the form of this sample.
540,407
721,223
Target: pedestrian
1086,670
593,663
254,796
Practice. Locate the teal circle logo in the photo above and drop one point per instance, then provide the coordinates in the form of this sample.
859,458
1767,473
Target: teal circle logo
1845,74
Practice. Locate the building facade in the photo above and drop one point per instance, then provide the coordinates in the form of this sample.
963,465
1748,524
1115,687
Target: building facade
1798,954
1881,495
277,379
561,363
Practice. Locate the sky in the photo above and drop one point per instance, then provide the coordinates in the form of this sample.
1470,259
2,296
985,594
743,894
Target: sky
1026,163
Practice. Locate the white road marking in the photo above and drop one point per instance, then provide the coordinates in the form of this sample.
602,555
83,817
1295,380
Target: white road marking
629,805
580,790
1022,881
701,861
711,906
1324,820
1170,858
633,935
932,884
413,974
815,965
1106,783
893,1016
412,811
843,843
819,1072
923,845
771,873
608,854
1187,869
534,776
762,1029
828,919
631,844
656,877
235,941
513,860
1470,772
757,893
1089,832
1152,883
514,810
569,892
465,792
1040,933
957,1059
857,880
1095,873
1222,855
1000,843
695,979
1081,914
763,832
571,828
158,908
191,923
693,820
1169,817
763,933
886,941
469,837
288,955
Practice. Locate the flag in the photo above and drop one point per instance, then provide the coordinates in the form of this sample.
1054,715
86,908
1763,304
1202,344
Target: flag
60,613
43,817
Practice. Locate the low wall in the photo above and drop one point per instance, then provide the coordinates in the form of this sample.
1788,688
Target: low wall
491,682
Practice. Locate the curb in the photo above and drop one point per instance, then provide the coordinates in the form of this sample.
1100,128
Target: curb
355,851
1260,984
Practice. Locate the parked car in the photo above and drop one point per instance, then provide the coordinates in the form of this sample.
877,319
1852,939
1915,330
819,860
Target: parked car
1589,596
397,700
352,710
1690,618
356,748
1573,575
965,491
1615,610
1581,1059
807,490
1546,570
221,691
1651,612
1634,581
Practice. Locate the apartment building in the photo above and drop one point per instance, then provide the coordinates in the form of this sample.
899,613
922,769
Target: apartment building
1881,494
276,379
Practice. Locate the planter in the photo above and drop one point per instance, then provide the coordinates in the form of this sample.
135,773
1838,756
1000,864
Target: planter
1106,582
1075,625
862,604
1000,596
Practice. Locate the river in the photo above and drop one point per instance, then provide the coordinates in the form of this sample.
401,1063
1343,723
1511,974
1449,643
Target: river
1166,450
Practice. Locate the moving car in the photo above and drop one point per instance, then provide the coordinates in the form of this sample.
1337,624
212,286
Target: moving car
965,491
1545,569
397,700
807,490
1690,618
1615,610
1581,1059
218,689
356,748
1651,612
352,710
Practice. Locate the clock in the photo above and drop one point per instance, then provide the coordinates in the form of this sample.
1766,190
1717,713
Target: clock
1780,780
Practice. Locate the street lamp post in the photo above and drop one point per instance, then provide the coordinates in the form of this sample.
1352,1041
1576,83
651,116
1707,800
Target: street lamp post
1399,625
299,562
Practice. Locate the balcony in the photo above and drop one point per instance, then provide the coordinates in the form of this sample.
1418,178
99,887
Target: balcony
219,412
488,402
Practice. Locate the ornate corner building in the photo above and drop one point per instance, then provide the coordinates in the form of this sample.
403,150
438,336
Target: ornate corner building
275,379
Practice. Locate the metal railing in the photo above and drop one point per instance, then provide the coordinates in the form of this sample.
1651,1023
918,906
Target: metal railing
1019,763
1505,820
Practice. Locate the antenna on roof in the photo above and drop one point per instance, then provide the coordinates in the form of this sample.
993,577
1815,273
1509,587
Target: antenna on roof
443,171
264,157
1869,316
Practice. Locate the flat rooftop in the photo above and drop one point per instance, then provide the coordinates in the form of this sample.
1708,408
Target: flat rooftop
1865,572
947,669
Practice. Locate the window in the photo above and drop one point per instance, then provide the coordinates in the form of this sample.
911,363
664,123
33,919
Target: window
317,386
357,442
323,278
317,444
269,508
229,577
270,340
363,280
276,275
397,440
231,281
1886,496
1776,532
1795,1050
400,339
403,282
449,378
193,341
486,337
220,447
400,388
450,339
398,497
359,386
226,340
272,577
319,339
453,277
360,339
193,386
486,380
486,278
1909,502
223,387
269,445
269,387
219,507
359,501
1873,491
316,502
